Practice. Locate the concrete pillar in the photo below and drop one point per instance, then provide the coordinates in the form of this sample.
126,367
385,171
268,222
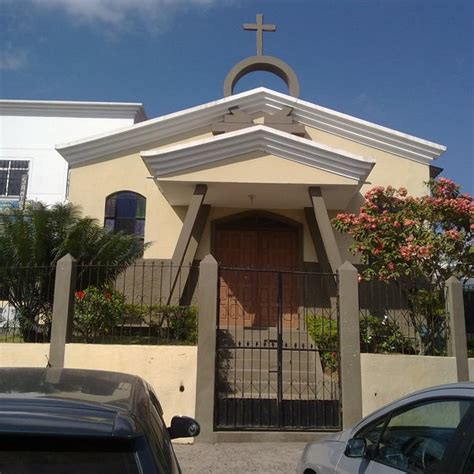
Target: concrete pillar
63,309
206,355
349,345
457,342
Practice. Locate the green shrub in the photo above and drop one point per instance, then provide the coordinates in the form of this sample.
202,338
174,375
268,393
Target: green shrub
382,335
97,311
324,332
177,322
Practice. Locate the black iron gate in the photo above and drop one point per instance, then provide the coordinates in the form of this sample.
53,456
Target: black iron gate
277,353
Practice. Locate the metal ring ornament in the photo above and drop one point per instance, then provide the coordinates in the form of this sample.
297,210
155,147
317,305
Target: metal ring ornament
262,63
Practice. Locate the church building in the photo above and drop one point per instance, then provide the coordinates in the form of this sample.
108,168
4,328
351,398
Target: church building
252,178
251,181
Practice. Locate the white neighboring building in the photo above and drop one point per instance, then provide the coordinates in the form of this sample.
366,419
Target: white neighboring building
29,131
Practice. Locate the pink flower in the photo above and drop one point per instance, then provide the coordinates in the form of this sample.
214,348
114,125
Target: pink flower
397,225
453,234
391,266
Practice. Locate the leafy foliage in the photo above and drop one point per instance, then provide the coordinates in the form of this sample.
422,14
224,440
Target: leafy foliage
418,242
380,335
97,311
324,332
33,240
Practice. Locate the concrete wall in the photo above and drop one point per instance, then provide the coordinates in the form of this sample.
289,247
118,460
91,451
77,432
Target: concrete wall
33,138
386,377
23,355
165,368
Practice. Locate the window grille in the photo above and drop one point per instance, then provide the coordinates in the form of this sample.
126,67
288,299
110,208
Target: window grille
11,172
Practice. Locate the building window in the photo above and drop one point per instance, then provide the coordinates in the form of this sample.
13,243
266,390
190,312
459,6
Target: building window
125,211
11,172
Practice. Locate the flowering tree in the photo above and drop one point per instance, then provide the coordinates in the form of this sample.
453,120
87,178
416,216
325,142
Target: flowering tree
419,242
417,237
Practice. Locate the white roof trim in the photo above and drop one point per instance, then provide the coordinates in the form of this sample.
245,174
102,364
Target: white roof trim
180,158
253,101
73,109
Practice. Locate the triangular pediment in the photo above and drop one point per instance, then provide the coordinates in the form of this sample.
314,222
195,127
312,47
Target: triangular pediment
231,149
256,102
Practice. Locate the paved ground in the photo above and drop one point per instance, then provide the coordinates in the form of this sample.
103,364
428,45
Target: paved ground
233,458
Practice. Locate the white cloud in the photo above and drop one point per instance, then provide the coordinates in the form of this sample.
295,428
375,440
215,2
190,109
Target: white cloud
12,59
115,12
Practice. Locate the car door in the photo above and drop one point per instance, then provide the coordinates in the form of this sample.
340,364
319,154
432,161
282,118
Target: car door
412,439
461,455
416,438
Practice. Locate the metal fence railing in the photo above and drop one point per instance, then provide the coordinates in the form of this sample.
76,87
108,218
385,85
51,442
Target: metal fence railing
400,317
145,303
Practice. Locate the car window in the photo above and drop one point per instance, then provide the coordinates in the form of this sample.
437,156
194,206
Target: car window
52,455
372,433
415,439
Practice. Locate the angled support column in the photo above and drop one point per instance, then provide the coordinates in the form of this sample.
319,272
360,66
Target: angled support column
317,240
191,231
325,229
457,343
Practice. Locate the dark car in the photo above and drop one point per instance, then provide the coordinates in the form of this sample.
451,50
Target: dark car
84,421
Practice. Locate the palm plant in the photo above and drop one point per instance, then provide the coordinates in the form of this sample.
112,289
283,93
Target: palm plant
34,239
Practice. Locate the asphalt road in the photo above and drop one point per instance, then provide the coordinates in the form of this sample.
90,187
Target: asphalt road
233,458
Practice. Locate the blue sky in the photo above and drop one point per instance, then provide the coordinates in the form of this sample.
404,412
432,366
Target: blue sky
405,64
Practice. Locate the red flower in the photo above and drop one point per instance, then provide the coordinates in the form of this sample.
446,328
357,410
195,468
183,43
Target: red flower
80,294
107,295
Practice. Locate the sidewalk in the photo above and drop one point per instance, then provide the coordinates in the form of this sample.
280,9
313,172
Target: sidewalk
233,458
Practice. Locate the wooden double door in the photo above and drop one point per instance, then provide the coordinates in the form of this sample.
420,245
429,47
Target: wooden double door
257,280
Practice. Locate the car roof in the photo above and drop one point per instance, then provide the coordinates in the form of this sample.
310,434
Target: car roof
95,402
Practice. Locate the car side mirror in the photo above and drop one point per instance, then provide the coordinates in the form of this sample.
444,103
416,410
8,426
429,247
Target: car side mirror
183,427
356,448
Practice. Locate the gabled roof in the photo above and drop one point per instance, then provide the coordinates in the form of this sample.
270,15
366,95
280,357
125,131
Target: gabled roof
58,108
253,101
163,162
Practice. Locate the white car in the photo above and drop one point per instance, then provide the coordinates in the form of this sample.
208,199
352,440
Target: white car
429,431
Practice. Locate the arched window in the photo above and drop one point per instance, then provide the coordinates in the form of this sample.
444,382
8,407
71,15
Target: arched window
125,211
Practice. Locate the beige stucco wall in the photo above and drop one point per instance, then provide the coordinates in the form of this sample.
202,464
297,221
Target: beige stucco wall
389,169
388,377
92,183
165,368
23,355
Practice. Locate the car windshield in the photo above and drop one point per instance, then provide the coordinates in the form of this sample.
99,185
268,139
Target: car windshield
48,455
